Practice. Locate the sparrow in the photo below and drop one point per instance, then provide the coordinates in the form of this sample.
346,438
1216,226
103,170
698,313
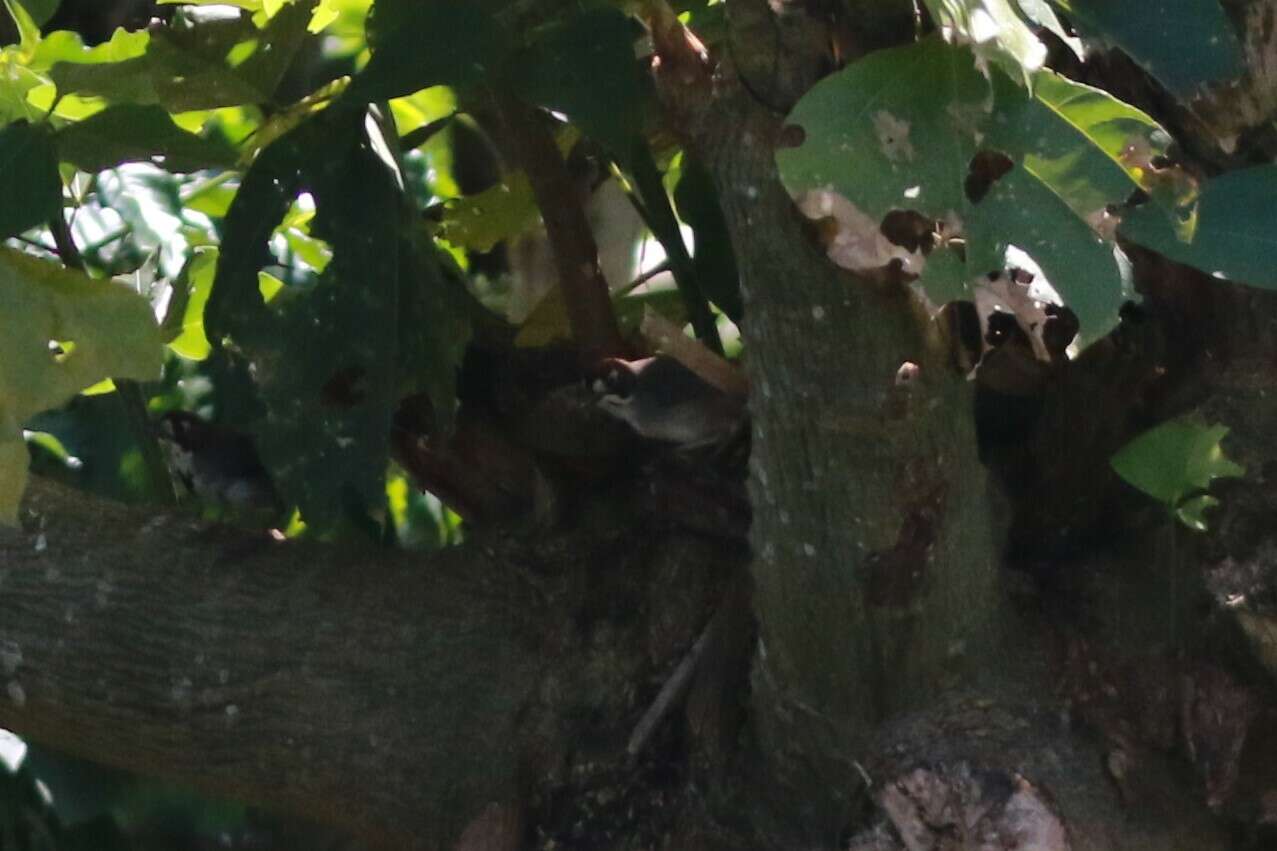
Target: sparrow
661,399
218,466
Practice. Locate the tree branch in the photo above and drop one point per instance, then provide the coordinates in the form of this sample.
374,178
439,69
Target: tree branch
380,694
585,293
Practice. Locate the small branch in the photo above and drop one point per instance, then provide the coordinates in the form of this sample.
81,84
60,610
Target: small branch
681,66
659,269
530,145
35,243
673,690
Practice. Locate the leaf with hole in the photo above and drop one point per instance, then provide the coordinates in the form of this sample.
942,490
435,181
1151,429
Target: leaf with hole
919,128
61,331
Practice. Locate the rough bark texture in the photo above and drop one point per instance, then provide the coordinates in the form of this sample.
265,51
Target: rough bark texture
395,696
874,565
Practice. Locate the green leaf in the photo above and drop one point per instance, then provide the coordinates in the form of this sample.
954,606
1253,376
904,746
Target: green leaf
1230,231
480,221
1041,13
68,46
197,275
1192,511
1185,44
420,44
327,386
898,130
187,67
1173,460
1023,211
131,132
104,329
585,68
897,119
15,84
29,180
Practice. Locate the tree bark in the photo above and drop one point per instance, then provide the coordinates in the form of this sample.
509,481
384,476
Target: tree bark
390,694
874,565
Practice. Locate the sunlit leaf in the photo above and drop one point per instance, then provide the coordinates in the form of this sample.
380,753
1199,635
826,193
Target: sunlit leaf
40,10
28,28
109,331
68,46
198,274
187,68
479,222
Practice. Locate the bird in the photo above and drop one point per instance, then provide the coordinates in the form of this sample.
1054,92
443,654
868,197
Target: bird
663,400
218,466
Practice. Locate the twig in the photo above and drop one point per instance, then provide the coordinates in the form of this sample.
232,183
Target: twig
673,690
35,243
529,144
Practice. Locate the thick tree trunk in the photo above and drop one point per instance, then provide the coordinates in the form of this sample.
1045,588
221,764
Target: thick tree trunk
874,562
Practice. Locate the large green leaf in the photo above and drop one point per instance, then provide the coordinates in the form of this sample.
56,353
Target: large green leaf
330,359
432,43
29,181
1185,44
131,132
103,329
1230,231
585,68
893,130
898,130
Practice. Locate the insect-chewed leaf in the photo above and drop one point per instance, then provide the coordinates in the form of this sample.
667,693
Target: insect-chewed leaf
886,133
